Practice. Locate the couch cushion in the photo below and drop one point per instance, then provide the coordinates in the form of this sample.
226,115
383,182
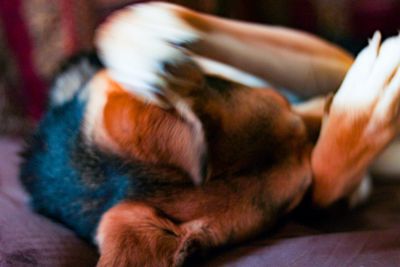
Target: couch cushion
28,239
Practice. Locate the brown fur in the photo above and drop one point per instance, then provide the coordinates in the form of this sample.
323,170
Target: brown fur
262,153
135,235
259,157
347,146
223,211
258,163
148,133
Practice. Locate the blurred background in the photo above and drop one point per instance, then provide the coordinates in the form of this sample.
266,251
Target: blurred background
36,35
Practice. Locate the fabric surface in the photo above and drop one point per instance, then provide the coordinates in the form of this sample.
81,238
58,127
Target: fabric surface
367,236
367,249
28,239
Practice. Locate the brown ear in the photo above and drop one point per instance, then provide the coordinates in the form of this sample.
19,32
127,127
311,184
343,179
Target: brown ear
146,132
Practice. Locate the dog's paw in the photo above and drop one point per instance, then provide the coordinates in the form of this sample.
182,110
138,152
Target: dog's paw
368,100
372,85
362,120
142,47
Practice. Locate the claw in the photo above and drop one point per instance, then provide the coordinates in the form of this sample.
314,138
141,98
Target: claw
388,107
359,71
388,61
387,71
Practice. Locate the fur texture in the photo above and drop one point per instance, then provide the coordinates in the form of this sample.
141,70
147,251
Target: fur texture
157,154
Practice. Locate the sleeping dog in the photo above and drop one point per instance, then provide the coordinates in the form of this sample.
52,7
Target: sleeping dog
173,141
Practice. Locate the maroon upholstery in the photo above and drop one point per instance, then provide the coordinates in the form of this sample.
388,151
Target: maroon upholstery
368,236
28,239
371,248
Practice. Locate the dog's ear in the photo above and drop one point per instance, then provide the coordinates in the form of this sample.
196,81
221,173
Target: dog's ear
122,123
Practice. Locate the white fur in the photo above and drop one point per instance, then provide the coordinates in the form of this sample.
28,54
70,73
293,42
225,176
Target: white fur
228,72
360,70
94,130
388,107
369,76
135,43
99,239
69,82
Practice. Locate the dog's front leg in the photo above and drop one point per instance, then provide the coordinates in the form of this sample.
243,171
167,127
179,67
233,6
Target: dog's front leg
133,234
361,121
295,60
313,112
136,41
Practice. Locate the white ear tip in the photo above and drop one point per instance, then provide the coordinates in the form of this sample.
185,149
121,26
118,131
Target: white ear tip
376,38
